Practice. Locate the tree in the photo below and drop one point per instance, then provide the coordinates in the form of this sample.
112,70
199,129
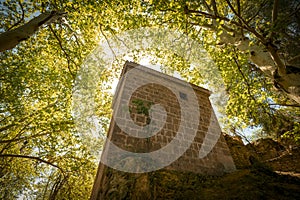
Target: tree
266,30
43,155
255,46
11,38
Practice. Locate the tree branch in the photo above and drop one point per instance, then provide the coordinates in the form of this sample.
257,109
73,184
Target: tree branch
32,158
258,10
207,6
275,11
271,48
109,45
214,5
41,133
248,86
274,17
64,51
239,13
285,105
5,127
22,18
56,187
11,38
212,16
79,43
244,77
294,58
246,25
20,132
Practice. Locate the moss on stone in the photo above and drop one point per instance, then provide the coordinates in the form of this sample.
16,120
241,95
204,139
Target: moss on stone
251,184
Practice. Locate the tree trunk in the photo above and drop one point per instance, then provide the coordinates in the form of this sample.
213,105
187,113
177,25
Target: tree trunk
267,60
10,39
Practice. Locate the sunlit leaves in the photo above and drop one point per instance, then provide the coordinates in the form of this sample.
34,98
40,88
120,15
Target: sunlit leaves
37,81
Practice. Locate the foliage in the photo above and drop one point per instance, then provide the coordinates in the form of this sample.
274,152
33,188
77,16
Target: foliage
142,107
254,183
42,155
240,36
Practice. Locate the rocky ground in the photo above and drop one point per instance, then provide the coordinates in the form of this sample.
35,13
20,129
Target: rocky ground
243,184
266,169
258,182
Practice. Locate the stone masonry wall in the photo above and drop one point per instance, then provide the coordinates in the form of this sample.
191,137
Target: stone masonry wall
273,154
217,162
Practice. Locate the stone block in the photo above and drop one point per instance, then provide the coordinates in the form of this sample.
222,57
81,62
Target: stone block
188,142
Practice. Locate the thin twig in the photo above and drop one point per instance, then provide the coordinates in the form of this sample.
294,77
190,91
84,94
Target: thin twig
213,17
271,48
64,51
257,12
41,133
214,4
245,79
108,43
207,6
115,36
239,12
79,43
285,105
248,85
246,25
22,18
32,158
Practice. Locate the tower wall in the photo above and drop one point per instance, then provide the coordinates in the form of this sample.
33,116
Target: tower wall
207,154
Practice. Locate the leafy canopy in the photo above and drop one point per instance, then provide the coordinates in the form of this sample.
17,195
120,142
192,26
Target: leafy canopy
43,155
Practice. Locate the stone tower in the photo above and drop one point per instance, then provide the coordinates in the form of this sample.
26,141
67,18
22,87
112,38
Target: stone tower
160,123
